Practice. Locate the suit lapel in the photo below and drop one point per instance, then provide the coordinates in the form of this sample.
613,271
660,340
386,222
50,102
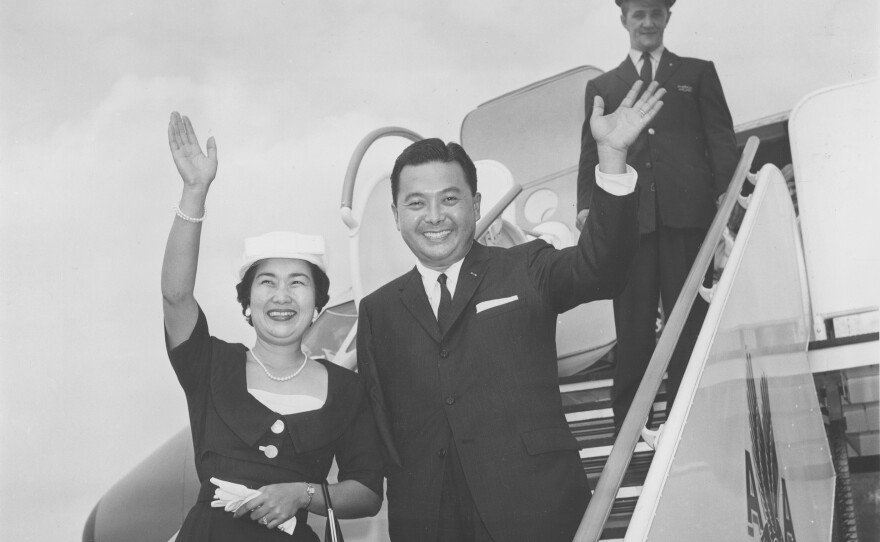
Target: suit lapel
414,298
627,72
473,269
669,62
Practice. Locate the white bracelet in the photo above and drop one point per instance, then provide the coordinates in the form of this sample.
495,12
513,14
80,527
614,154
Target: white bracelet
188,218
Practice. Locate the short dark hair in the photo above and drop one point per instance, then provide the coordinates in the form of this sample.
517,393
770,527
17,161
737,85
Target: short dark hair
319,278
433,150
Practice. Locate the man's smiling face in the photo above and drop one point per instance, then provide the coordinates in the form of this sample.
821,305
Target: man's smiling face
436,213
645,21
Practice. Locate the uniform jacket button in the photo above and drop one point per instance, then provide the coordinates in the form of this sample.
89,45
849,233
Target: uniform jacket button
651,131
648,165
270,451
278,427
450,400
444,353
441,452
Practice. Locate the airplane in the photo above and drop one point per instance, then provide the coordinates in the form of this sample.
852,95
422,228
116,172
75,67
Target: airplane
778,411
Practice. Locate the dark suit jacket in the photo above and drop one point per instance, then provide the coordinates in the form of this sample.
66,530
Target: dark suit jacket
490,381
685,158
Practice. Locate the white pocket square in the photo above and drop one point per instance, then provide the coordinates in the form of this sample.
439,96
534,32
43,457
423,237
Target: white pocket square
483,305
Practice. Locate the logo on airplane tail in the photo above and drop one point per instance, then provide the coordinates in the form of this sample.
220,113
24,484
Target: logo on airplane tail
766,492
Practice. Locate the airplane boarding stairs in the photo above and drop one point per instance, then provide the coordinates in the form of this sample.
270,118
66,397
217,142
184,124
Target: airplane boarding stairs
748,393
586,399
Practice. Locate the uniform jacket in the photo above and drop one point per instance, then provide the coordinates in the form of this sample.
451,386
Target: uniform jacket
685,158
490,382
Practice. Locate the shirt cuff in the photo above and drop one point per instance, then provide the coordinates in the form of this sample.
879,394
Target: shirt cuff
617,184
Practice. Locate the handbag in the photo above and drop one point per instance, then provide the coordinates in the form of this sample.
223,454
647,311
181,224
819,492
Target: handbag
332,532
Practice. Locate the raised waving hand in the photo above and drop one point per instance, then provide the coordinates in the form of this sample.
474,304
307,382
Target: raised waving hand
196,169
615,132
179,266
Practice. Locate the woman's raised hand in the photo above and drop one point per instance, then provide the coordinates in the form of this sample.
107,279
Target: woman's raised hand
182,250
196,169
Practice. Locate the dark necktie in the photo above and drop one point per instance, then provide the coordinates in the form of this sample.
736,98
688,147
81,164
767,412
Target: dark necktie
445,303
646,74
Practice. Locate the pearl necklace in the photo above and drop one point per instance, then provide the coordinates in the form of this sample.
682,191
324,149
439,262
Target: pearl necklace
280,378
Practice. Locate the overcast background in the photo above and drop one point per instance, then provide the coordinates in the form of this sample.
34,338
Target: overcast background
287,88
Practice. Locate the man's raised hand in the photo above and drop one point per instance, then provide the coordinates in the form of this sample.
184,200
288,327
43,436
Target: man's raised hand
616,131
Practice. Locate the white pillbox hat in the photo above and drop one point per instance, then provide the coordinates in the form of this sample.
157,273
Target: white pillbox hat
282,244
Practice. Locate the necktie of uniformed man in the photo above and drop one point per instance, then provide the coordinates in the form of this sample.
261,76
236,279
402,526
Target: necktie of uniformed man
646,74
445,303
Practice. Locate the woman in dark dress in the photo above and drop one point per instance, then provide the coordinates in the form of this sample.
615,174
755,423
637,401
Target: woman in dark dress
269,418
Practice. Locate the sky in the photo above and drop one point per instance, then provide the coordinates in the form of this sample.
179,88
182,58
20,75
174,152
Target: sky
287,88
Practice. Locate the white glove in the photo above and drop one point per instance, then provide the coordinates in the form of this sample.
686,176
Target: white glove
231,497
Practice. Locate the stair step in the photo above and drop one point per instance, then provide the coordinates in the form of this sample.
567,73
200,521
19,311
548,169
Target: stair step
602,413
586,385
635,474
604,451
586,401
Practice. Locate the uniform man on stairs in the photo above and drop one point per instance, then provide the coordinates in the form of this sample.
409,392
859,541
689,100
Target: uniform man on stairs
685,160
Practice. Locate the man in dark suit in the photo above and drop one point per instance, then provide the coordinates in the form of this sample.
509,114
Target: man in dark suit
685,160
459,354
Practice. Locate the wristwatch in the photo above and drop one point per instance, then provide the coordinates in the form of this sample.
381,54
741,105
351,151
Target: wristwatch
310,491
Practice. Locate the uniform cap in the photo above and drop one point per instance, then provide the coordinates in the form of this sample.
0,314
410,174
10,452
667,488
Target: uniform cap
667,2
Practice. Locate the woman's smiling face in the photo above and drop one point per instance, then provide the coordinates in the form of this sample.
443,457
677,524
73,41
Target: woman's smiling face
282,300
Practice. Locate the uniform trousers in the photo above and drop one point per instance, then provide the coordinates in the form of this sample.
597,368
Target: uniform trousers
662,263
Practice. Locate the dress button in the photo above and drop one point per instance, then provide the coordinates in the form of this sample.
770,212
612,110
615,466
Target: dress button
444,353
278,427
651,131
450,400
270,451
441,452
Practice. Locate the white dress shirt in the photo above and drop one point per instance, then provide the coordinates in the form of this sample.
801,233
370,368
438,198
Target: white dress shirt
432,287
636,56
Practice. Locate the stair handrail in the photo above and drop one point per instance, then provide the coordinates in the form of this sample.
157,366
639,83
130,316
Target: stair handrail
593,522
355,163
493,213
